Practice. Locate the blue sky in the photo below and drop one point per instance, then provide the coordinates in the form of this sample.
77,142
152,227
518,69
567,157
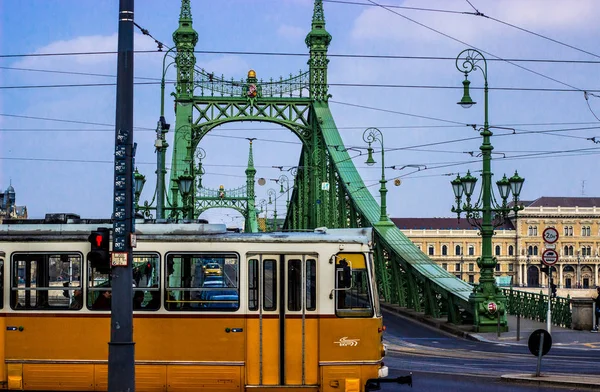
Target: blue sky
59,166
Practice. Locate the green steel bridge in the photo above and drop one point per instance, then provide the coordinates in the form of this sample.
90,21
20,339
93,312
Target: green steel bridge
328,191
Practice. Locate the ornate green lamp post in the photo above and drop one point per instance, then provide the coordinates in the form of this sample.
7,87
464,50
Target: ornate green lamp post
185,185
138,184
273,199
281,180
485,213
370,135
200,155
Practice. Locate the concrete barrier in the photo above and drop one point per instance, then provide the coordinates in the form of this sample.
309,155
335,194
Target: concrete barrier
582,313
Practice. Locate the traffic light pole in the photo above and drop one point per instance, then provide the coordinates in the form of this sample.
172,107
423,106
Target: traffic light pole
121,355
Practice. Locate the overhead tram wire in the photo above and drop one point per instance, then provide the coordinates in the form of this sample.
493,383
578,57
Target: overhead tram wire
352,85
288,54
471,46
394,6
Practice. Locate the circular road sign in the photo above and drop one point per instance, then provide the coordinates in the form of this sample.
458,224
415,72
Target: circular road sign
550,235
549,257
534,342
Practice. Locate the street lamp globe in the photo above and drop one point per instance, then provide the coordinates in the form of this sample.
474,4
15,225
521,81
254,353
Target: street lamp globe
185,183
466,101
468,183
138,182
457,187
516,183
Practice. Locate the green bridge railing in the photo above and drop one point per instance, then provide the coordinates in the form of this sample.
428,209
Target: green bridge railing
535,306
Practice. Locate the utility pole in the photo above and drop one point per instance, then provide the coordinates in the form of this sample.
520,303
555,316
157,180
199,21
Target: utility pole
121,356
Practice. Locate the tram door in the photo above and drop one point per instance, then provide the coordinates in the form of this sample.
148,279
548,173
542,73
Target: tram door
282,325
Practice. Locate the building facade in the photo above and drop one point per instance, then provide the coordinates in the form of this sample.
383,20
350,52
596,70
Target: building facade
8,205
518,245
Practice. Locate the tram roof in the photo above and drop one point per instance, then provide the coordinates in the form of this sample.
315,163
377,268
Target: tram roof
79,229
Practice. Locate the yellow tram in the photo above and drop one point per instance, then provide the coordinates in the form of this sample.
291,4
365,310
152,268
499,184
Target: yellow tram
213,310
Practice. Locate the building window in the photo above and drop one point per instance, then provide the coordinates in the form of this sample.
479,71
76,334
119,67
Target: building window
510,268
497,250
566,251
566,230
586,231
431,250
571,230
471,279
535,230
457,250
586,250
571,250
444,250
535,250
511,250
530,251
471,267
445,266
530,231
457,267
471,250
498,267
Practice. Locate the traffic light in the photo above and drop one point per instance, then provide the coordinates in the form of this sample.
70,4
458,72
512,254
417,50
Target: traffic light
99,255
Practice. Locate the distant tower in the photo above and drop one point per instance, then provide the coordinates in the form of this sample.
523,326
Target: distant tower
251,224
10,193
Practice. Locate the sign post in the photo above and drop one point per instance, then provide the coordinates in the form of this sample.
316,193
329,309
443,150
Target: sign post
549,258
539,343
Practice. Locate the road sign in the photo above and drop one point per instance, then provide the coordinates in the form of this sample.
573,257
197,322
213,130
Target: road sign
549,257
118,259
550,235
534,342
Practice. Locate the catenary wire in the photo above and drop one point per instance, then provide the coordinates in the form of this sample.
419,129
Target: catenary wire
471,46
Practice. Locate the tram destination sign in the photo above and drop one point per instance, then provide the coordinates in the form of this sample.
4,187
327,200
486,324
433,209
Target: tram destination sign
550,235
549,257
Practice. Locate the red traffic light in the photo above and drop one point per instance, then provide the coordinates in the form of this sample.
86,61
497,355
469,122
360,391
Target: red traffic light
99,238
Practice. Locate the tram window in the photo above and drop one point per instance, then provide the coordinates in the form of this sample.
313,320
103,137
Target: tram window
99,292
353,298
294,285
2,282
270,285
46,281
202,282
311,284
252,284
146,280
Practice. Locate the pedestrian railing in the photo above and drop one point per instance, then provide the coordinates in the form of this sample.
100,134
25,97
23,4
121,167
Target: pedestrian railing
535,306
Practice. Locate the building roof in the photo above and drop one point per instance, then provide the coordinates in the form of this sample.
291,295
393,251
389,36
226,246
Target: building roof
439,224
546,201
